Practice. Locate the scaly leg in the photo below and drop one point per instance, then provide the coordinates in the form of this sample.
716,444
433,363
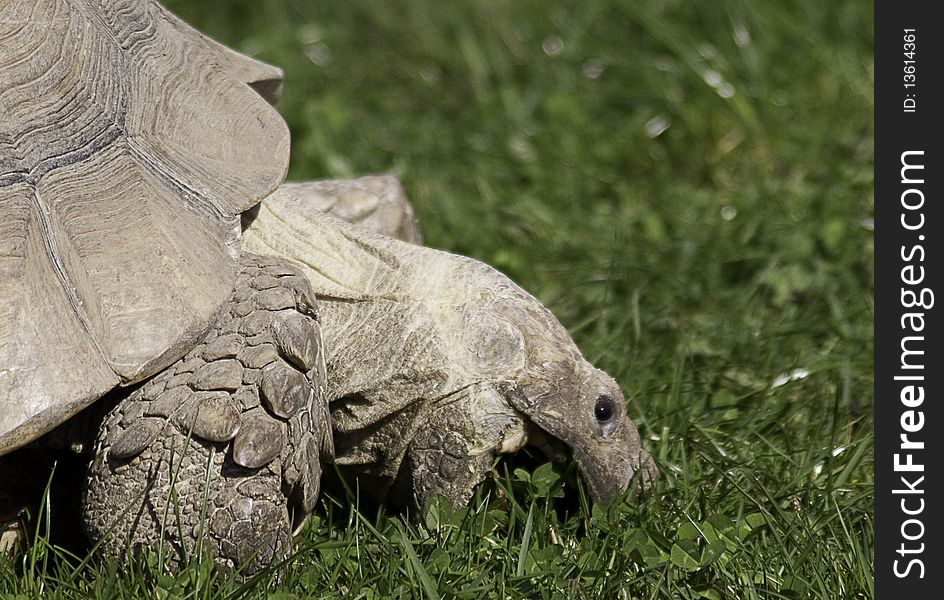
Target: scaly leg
218,452
453,448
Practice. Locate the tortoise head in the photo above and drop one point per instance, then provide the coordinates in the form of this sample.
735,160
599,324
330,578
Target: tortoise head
535,365
584,408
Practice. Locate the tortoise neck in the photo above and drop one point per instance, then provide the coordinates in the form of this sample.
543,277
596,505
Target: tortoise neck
370,290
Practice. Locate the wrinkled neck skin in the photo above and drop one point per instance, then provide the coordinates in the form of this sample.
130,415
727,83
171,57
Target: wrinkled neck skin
408,328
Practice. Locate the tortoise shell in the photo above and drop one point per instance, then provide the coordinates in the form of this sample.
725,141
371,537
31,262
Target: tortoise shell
129,144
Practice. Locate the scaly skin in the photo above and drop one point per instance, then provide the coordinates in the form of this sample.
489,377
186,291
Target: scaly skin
437,362
215,452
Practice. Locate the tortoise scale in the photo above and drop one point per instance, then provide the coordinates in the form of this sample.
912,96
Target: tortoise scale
210,338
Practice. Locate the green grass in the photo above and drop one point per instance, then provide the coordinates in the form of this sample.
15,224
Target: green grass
688,186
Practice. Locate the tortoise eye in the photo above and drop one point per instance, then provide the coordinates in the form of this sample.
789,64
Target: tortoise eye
604,409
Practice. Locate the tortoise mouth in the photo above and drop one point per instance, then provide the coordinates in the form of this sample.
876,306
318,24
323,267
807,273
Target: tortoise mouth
532,436
551,447
603,480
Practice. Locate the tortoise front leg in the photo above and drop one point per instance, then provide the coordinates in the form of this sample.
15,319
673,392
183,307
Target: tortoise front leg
215,453
453,450
441,464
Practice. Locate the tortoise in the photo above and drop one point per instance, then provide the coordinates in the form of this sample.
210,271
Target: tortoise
211,339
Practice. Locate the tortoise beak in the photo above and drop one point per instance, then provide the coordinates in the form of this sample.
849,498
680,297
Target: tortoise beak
610,472
609,463
609,466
